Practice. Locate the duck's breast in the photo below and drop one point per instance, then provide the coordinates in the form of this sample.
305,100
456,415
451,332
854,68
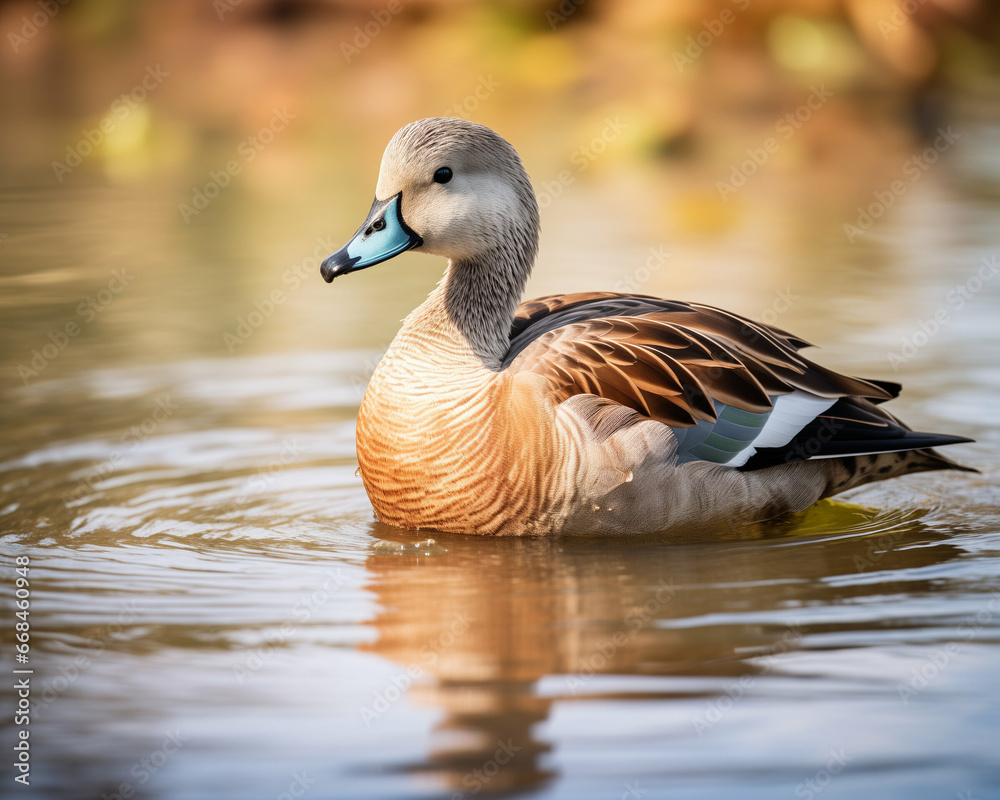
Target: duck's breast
478,453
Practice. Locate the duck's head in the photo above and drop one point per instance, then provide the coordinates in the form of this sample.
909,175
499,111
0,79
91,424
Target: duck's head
448,187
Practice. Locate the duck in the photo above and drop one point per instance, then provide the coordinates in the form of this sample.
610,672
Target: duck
586,413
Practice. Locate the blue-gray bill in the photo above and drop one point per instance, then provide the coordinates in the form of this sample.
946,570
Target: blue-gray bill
383,235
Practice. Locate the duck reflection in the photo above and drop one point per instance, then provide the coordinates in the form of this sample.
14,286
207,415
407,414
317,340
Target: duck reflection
479,622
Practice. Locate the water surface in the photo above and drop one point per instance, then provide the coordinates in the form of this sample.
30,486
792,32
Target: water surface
215,613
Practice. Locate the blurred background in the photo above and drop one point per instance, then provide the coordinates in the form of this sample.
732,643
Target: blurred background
179,387
645,108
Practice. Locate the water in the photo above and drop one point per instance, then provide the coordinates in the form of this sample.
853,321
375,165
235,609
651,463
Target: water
214,612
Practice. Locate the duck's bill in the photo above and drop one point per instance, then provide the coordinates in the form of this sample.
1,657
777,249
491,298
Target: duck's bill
383,235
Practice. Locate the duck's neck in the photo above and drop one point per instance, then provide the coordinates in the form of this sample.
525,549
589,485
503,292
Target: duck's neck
469,314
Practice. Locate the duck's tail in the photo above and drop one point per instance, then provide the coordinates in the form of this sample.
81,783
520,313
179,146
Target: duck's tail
857,470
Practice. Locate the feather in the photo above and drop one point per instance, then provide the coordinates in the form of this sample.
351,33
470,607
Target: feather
752,398
670,361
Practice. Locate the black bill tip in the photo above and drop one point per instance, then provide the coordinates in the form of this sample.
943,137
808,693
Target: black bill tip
340,263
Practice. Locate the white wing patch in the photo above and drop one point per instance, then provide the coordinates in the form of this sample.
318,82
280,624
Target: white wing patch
792,412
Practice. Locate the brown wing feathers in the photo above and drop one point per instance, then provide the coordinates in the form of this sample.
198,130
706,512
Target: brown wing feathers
665,359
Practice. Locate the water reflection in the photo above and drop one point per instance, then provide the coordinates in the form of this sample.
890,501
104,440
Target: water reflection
495,632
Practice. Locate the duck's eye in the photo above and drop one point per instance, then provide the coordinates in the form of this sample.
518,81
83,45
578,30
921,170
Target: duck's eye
443,175
378,225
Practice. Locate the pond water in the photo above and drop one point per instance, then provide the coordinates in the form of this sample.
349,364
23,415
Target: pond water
214,612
